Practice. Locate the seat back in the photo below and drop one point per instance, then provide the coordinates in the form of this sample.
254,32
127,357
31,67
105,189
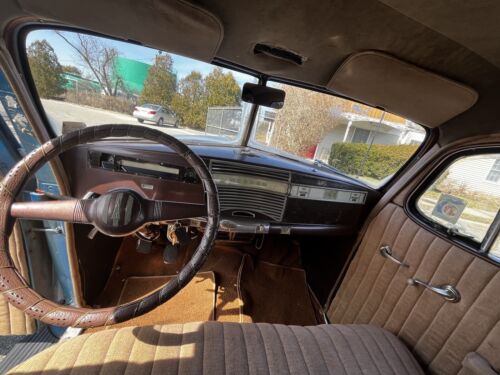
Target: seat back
375,290
12,320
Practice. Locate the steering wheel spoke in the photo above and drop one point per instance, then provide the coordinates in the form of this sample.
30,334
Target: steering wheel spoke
70,210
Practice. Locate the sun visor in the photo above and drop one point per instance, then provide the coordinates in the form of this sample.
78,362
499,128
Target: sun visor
401,88
172,25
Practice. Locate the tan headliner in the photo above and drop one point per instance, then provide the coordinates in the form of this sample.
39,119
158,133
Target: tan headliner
326,32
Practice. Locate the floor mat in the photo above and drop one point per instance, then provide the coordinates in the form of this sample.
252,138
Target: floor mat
260,284
27,348
130,263
194,303
276,294
226,262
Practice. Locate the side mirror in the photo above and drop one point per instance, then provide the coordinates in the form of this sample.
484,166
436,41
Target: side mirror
263,95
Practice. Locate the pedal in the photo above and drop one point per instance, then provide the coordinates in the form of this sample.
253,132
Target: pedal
170,253
182,235
143,246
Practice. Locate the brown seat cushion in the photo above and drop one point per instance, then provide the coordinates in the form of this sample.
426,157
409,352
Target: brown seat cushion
232,348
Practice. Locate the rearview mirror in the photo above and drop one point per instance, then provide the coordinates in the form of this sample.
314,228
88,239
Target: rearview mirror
263,95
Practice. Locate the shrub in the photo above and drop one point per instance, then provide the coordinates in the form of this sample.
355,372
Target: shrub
96,100
375,161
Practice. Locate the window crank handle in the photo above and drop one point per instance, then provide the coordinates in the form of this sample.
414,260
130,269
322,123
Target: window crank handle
448,292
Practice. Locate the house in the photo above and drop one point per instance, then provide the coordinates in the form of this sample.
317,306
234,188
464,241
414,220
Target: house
357,128
479,174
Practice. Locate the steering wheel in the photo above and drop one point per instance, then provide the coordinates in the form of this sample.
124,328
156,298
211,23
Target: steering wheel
116,213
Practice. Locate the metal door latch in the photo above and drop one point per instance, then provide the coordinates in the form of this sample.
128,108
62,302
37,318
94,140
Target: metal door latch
448,292
386,252
57,230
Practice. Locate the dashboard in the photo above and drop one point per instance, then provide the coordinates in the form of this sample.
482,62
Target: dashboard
259,192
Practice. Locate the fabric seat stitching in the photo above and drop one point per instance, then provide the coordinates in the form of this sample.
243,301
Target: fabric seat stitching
79,353
308,330
430,281
432,321
224,351
58,346
368,266
406,288
393,276
245,347
380,272
300,348
396,352
179,351
139,333
487,335
282,347
355,264
156,349
443,302
381,350
264,345
323,328
107,351
203,350
462,318
364,345
348,345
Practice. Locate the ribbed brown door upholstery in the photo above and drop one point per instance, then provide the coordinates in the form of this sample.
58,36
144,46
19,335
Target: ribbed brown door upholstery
12,320
227,348
439,333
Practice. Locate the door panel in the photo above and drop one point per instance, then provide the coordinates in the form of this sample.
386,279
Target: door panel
12,320
440,333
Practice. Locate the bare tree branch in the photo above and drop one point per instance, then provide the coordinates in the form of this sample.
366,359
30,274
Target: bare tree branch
99,58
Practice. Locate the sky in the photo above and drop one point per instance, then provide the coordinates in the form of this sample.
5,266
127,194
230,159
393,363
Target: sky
182,65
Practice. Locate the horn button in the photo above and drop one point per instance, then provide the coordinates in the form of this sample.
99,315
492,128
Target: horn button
118,213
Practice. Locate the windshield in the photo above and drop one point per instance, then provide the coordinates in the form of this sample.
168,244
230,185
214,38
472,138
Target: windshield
357,140
95,80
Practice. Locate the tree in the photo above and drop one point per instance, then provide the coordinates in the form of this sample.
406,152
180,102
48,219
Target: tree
99,58
45,69
189,103
160,84
306,118
72,70
222,89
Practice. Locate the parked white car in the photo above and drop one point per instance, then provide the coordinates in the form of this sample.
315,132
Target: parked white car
157,114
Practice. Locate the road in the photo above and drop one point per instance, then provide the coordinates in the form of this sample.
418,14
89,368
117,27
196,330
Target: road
59,111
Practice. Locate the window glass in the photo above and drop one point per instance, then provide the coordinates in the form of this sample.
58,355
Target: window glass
357,140
96,80
465,198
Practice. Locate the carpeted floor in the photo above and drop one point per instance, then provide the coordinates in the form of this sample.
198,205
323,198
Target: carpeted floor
194,303
276,294
251,285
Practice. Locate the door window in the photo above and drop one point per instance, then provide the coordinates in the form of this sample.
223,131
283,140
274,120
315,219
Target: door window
464,201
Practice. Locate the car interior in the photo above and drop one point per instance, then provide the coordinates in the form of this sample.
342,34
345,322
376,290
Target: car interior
323,198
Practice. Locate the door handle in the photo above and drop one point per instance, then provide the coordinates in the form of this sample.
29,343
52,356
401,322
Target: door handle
448,292
386,252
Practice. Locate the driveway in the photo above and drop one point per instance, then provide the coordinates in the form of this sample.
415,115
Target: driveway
59,111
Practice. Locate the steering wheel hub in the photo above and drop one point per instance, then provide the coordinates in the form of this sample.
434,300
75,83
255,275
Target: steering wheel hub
117,213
